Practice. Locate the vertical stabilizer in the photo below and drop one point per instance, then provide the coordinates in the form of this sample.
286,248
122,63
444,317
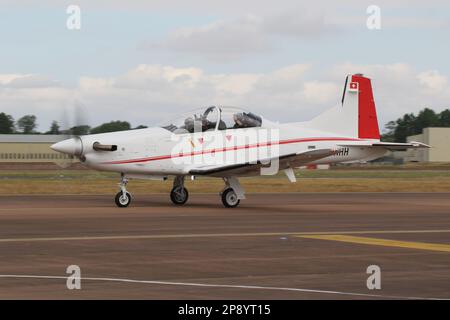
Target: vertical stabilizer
356,116
367,113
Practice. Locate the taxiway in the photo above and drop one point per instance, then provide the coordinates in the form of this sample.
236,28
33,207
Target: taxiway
274,246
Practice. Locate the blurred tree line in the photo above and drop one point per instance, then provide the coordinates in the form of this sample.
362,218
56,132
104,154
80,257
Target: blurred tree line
27,125
397,130
410,124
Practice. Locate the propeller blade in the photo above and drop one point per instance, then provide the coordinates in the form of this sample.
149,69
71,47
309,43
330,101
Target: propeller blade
74,123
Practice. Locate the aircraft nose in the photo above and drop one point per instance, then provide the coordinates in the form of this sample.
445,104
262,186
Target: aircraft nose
71,146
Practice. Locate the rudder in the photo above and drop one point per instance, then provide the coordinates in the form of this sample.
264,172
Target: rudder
367,113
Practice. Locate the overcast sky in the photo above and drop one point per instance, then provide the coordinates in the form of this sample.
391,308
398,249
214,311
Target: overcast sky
142,61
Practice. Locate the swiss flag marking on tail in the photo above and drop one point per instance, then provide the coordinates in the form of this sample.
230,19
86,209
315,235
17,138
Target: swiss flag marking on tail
353,86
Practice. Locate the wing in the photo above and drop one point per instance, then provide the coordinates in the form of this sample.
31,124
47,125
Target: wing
288,161
388,145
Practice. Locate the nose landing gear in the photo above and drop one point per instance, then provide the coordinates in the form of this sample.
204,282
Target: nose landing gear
123,197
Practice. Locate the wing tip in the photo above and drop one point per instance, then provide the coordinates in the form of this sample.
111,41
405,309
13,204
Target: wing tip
418,144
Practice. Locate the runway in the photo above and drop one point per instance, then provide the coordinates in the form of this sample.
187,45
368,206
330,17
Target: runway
274,246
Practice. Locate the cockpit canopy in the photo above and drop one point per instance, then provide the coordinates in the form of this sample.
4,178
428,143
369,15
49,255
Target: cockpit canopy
213,118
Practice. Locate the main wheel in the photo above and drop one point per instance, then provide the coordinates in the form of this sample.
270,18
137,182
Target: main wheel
179,195
123,200
230,198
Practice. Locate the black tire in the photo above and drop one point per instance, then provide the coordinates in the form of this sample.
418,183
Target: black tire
122,201
179,195
229,198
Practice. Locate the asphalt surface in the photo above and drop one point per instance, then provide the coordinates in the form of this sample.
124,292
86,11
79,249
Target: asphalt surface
274,246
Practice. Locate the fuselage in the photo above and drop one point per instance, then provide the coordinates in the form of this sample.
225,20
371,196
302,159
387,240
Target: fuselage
157,151
227,142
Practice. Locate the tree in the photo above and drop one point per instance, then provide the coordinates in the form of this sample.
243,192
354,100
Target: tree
444,118
426,118
390,131
54,128
80,130
111,127
410,124
404,127
27,124
141,127
6,123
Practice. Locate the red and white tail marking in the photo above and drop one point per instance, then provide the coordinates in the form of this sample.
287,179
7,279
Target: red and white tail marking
357,117
367,113
353,86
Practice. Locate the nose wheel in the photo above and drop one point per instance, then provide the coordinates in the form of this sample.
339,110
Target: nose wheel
123,197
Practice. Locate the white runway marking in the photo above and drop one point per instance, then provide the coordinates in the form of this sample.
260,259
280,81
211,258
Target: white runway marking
227,286
214,235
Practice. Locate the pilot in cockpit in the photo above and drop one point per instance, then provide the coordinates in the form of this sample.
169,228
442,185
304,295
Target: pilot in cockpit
198,124
246,120
193,124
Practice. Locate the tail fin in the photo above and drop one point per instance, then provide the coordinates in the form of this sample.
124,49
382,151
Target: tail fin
367,122
357,117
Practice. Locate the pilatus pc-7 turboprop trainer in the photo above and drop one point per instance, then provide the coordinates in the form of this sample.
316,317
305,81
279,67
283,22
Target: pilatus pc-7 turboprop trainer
228,142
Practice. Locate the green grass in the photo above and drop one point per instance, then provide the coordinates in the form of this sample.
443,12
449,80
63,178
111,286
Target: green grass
310,174
334,180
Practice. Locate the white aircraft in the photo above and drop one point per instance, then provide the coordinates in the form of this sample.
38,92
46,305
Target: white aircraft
228,142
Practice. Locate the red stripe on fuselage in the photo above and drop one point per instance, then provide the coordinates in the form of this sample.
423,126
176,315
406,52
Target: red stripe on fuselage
248,146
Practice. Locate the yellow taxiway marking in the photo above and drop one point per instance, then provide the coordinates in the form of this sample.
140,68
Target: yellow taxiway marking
216,235
381,242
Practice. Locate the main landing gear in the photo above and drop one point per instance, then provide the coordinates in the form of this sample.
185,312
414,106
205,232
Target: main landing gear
179,194
229,198
232,193
123,197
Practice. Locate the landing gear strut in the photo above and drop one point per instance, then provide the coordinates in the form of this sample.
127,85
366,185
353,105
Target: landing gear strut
179,194
123,197
233,192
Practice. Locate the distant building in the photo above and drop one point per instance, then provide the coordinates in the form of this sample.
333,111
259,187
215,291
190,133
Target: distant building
438,139
30,148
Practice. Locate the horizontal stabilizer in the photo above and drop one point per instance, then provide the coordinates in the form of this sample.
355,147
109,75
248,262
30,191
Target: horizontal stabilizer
388,145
